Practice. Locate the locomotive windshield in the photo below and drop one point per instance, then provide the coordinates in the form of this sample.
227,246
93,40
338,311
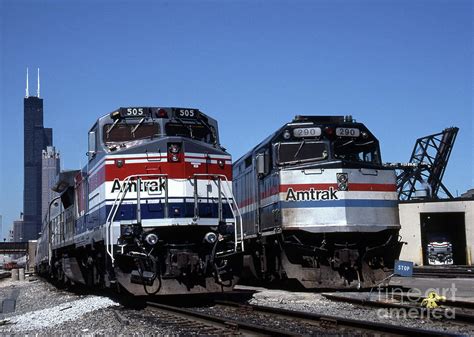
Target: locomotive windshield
200,132
364,150
130,131
295,152
315,144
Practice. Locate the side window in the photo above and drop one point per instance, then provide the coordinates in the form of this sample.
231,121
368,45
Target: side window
268,160
248,161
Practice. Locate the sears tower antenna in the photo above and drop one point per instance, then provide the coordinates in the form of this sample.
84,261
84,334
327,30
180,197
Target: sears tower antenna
27,94
38,89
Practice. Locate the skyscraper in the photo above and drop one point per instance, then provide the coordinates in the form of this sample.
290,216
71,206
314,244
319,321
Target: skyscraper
17,232
50,170
36,139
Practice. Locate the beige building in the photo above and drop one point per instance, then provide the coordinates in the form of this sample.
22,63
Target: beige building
426,221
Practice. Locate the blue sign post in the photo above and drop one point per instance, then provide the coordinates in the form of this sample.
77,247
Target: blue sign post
403,268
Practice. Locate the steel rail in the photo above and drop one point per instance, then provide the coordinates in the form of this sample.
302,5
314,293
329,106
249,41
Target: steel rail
226,322
444,271
341,321
449,302
458,316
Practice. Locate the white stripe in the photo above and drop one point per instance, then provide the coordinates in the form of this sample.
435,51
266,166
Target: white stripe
202,155
149,155
137,161
195,160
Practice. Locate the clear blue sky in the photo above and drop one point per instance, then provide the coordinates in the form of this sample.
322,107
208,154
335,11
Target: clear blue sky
405,68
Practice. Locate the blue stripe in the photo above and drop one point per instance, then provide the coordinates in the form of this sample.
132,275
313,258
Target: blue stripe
150,211
339,203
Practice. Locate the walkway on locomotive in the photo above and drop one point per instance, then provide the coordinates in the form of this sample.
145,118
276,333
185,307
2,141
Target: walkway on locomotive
176,157
318,174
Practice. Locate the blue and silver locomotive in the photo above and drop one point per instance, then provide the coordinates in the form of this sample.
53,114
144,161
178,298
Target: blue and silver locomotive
317,205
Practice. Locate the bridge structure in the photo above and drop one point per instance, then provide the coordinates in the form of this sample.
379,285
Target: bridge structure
13,248
427,165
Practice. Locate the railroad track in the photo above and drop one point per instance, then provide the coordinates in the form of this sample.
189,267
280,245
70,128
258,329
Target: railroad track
444,271
205,324
262,320
454,310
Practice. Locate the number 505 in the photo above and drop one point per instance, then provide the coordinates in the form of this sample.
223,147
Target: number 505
134,111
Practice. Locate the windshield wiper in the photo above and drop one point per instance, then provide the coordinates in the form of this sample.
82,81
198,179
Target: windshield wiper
111,127
211,129
186,126
137,126
299,149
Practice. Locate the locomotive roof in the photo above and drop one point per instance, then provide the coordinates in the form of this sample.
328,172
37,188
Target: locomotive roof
152,109
300,120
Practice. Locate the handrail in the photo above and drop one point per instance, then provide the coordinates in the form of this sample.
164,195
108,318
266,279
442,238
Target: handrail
233,204
115,206
125,187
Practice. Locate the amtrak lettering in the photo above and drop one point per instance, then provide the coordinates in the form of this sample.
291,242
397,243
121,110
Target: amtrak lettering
145,186
311,194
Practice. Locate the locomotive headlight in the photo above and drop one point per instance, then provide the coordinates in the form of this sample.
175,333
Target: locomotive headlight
173,152
174,148
342,181
365,135
210,237
221,163
151,239
342,178
286,134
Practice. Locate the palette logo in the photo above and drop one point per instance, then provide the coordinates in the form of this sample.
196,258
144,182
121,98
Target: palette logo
311,194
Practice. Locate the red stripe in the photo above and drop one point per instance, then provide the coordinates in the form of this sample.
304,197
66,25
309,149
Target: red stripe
373,187
301,187
181,170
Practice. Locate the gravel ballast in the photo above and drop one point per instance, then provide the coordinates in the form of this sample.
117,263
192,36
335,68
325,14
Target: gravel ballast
42,309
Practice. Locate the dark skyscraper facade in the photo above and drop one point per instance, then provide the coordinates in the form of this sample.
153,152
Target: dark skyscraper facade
36,139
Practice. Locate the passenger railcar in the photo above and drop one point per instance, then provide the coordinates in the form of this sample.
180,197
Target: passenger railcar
152,211
317,205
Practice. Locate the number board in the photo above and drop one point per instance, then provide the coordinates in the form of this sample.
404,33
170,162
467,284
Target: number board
403,268
186,113
306,132
134,112
347,132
